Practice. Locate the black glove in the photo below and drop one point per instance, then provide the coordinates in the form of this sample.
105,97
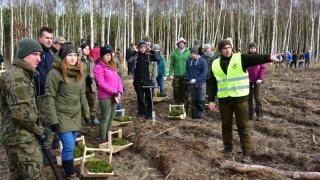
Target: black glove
87,121
116,94
55,127
88,80
44,136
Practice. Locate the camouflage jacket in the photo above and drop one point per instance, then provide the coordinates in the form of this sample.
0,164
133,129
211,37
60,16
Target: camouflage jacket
18,105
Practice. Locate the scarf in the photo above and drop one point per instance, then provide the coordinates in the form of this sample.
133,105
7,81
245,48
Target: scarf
208,54
72,72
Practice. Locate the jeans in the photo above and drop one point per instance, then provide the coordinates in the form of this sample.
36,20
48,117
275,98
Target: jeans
119,107
68,140
160,83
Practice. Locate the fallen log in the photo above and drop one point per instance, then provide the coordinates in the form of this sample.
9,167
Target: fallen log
244,168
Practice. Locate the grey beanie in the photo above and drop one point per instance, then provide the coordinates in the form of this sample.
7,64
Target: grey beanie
67,49
252,44
196,43
28,46
205,46
194,50
142,43
155,47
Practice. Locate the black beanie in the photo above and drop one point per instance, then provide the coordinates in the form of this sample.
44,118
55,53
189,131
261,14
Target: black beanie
142,43
252,44
106,49
67,49
28,46
194,50
223,43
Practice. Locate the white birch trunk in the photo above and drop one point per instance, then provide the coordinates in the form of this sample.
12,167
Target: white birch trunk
176,20
26,2
1,29
204,19
125,34
31,21
91,23
218,23
56,18
132,22
274,32
81,20
318,39
147,18
11,33
289,27
109,20
103,21
253,21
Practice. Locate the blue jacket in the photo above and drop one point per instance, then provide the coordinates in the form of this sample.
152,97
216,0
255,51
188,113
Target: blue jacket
307,55
289,57
196,69
44,66
162,66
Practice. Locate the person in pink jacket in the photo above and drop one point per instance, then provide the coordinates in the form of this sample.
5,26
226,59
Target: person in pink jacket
256,76
109,88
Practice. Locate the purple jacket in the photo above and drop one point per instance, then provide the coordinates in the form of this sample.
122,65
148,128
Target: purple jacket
257,72
108,81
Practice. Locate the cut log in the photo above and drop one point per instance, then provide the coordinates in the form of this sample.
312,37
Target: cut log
244,168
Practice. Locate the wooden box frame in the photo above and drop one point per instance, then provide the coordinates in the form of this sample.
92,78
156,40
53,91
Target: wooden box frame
181,117
115,148
117,123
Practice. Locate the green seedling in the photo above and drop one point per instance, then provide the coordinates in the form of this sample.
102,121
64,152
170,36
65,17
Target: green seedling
99,166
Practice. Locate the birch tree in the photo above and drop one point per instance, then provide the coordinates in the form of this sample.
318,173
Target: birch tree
11,33
147,18
1,28
57,18
81,19
91,23
274,31
103,20
313,13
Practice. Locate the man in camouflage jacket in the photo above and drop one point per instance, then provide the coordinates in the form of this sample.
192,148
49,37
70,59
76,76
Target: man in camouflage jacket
19,130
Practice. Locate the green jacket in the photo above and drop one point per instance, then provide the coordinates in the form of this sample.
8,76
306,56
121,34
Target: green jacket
18,105
65,101
89,71
119,67
178,62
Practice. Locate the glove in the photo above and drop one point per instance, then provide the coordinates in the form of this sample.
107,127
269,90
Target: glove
193,80
116,94
259,81
55,127
165,78
44,136
171,77
274,57
87,121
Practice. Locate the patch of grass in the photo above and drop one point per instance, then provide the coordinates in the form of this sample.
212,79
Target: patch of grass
122,118
176,112
99,166
120,142
161,95
78,151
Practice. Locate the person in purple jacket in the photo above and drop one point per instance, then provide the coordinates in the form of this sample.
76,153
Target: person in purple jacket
256,76
109,88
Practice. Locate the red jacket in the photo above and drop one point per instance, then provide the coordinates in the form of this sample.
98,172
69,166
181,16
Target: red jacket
95,53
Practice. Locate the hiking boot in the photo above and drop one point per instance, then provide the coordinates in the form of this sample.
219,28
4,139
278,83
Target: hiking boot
95,121
259,118
246,160
140,115
228,155
73,177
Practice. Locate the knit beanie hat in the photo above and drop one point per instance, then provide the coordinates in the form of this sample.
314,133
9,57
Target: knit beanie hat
147,38
230,39
28,46
205,46
59,39
155,47
194,50
196,43
67,49
106,49
252,44
142,43
223,43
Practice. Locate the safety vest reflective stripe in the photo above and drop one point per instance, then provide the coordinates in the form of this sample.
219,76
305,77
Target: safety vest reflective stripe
233,88
233,79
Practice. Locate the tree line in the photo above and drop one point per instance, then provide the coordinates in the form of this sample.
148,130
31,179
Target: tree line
289,25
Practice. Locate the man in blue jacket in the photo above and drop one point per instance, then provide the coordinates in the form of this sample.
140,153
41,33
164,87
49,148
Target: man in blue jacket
196,72
45,39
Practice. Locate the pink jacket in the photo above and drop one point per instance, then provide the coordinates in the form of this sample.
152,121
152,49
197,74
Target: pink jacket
108,81
257,72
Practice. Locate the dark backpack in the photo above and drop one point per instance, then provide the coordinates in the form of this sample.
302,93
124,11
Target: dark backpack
1,59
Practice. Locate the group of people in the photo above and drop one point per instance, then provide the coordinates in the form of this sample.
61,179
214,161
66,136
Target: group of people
45,93
291,59
53,84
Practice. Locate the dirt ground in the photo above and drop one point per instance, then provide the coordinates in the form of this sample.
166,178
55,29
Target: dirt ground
286,139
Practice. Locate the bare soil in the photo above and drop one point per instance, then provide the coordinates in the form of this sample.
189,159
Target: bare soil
286,139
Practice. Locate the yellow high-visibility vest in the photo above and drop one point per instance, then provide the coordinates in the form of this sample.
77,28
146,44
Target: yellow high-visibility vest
235,83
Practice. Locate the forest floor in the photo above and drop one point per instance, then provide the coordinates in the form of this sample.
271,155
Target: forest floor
286,139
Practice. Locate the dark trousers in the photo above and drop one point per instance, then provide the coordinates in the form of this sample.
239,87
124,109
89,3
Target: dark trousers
180,89
129,65
256,94
293,62
141,94
241,112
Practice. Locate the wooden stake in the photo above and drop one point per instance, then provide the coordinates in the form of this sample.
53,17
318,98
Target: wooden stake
163,132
